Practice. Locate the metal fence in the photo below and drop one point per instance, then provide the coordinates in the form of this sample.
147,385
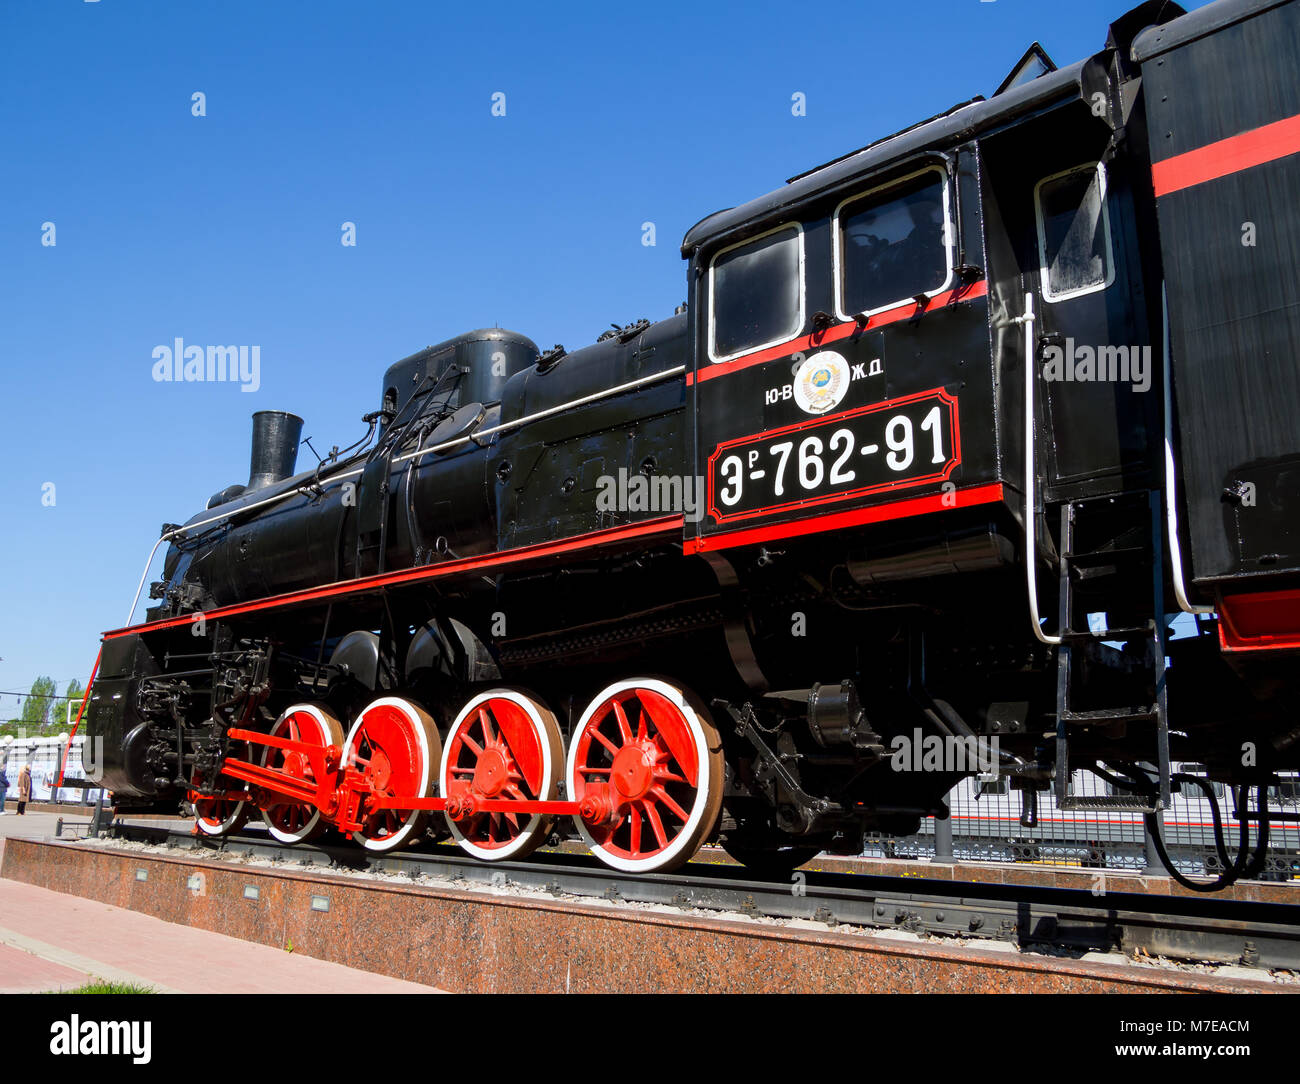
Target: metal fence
986,820
988,823
44,755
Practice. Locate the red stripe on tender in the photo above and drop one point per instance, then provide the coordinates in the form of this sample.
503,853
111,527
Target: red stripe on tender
915,506
665,525
1227,156
817,339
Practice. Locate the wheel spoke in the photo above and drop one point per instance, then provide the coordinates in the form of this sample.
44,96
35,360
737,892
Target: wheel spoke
635,817
623,727
485,723
655,822
669,801
503,744
605,742
473,746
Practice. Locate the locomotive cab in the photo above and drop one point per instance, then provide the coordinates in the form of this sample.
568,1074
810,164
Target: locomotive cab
841,340
933,360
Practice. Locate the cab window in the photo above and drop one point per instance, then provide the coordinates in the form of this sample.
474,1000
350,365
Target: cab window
892,244
1074,247
756,293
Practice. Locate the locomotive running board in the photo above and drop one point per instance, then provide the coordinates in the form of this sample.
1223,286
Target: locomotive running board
665,528
990,493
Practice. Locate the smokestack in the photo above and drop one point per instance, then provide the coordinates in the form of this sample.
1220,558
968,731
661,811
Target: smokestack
275,447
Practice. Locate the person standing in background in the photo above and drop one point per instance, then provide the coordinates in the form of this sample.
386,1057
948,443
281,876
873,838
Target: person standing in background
5,742
24,789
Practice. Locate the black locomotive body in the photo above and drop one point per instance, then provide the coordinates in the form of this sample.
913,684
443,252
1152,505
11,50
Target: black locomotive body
947,432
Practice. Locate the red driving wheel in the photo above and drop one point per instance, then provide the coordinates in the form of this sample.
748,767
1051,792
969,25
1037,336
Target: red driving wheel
287,820
646,767
395,745
504,745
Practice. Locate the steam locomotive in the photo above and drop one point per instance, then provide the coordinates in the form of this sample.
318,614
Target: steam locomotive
909,491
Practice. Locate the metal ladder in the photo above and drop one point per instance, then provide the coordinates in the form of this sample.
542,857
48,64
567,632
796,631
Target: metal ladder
1074,566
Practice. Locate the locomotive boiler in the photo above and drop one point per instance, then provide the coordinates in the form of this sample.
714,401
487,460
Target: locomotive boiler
911,490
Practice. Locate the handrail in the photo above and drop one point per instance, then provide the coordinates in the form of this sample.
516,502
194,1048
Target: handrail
1031,498
478,434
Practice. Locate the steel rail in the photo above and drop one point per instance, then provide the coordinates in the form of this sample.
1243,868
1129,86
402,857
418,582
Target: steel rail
1189,929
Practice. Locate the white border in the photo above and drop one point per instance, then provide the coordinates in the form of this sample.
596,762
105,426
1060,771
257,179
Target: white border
949,235
549,773
664,857
399,837
803,292
1108,255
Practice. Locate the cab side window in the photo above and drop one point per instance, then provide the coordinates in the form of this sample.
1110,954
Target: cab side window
893,244
1074,248
756,295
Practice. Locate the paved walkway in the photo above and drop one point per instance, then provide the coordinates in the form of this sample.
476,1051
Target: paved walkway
54,941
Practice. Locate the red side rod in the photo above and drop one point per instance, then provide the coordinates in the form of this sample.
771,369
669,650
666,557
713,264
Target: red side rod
334,784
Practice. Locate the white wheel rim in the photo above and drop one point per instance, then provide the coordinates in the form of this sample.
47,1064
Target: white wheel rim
698,807
549,773
221,828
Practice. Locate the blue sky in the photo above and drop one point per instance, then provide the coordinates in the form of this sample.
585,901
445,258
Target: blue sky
225,228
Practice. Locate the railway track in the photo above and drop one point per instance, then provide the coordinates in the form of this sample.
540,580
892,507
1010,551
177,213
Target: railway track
1258,935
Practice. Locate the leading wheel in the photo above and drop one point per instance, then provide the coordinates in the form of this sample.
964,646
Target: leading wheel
287,820
504,745
215,815
646,767
395,745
